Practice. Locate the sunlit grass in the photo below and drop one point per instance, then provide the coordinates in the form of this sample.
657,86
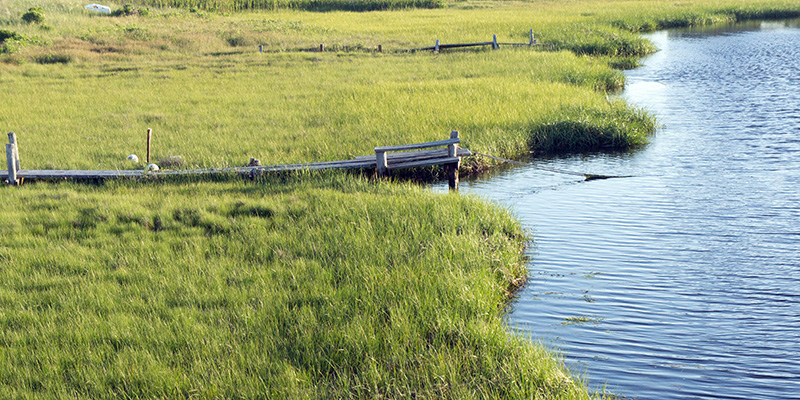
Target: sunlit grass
293,108
315,286
298,286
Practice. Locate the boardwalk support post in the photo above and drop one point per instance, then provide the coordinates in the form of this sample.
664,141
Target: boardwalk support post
452,169
12,166
382,163
533,41
436,48
495,46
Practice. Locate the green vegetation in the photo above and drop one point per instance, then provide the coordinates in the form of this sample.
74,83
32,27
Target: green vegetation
34,15
308,5
318,286
292,286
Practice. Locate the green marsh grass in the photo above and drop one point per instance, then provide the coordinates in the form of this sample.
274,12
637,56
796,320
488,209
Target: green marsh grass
314,286
293,286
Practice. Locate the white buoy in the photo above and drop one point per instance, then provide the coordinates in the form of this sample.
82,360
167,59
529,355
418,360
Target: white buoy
99,8
151,167
133,158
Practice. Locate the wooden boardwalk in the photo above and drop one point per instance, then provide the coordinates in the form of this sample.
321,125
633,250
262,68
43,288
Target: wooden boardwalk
384,160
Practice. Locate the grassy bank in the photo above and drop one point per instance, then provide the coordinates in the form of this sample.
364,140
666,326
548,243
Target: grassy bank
315,286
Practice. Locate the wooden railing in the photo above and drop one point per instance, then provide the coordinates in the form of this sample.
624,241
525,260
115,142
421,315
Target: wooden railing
410,159
386,158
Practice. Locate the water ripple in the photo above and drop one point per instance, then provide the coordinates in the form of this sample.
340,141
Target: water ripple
683,282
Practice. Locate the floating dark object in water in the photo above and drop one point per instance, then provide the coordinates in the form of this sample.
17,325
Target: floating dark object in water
587,177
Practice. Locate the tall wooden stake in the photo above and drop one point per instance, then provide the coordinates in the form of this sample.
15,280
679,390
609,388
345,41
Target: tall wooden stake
12,166
149,132
12,139
452,169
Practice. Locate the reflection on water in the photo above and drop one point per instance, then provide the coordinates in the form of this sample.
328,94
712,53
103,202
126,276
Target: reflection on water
683,281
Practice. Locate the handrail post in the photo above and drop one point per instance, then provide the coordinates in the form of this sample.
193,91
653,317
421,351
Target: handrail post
495,46
436,48
533,41
452,169
382,163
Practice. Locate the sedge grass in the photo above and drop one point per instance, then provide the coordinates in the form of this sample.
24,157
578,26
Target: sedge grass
309,286
318,286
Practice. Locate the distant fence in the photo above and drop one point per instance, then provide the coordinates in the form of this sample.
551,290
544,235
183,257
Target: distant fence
495,45
435,48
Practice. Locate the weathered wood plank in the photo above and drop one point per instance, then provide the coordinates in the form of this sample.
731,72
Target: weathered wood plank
395,157
425,163
418,145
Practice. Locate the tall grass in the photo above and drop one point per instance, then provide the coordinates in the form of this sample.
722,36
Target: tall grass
318,286
296,286
308,5
285,108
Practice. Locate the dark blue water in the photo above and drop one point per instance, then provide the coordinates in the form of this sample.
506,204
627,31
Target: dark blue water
682,282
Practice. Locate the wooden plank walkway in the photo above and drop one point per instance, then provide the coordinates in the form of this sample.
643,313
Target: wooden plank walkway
393,157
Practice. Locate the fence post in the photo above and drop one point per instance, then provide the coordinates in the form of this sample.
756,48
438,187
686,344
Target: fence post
495,46
12,138
380,48
321,48
12,166
149,132
533,41
261,48
436,48
382,163
452,169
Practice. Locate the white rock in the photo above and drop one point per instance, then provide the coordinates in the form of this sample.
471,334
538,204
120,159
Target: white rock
151,167
133,158
99,8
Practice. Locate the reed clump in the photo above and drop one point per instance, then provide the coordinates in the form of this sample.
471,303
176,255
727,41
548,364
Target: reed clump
580,129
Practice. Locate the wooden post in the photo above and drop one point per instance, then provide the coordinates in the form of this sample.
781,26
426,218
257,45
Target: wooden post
452,169
436,48
382,163
380,48
533,41
321,48
12,165
149,132
12,139
261,48
495,46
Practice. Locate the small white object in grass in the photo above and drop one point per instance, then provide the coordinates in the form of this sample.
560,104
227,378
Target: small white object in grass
151,167
133,158
99,8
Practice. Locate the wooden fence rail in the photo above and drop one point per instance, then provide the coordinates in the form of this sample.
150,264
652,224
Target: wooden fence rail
495,45
385,159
